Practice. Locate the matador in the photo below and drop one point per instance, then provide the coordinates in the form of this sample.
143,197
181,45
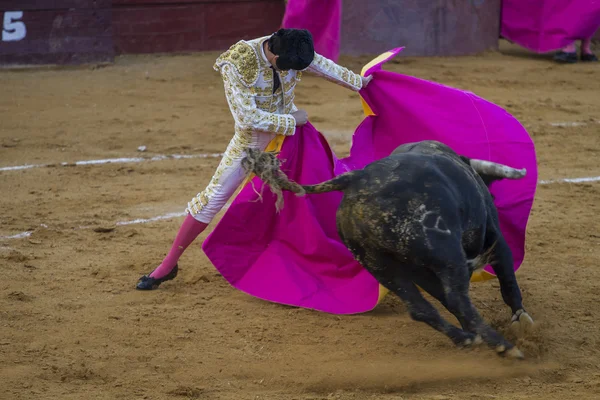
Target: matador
259,78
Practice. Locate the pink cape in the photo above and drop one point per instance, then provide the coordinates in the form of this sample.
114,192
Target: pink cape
323,18
297,258
548,25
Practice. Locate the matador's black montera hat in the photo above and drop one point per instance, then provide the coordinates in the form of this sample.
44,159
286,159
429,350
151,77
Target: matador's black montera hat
294,47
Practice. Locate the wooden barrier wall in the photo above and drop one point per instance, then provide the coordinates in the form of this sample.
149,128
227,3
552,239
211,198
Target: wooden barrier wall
425,27
56,32
149,26
93,31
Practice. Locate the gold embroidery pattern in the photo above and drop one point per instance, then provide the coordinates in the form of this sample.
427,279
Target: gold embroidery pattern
244,59
329,70
265,104
289,85
264,92
247,114
248,84
234,152
289,104
267,75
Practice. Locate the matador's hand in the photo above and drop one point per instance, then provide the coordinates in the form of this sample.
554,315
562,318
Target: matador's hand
301,117
366,80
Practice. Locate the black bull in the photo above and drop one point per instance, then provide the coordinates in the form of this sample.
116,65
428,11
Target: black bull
422,217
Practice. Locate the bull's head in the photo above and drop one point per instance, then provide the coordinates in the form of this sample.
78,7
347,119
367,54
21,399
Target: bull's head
491,171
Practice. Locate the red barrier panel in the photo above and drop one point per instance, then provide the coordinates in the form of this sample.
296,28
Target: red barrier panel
92,31
151,26
56,32
426,28
85,31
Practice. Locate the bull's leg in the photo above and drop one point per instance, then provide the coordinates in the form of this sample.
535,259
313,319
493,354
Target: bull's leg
502,263
397,279
429,282
422,311
455,278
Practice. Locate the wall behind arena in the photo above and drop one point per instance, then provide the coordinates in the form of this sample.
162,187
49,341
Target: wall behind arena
94,31
149,26
426,28
56,31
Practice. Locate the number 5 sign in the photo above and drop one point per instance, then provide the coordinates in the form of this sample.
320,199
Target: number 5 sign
12,28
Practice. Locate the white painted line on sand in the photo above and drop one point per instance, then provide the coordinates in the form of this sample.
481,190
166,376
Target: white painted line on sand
571,180
17,236
146,220
120,223
18,167
122,160
566,124
181,214
162,157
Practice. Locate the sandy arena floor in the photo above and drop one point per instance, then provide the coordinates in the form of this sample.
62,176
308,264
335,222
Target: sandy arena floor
73,327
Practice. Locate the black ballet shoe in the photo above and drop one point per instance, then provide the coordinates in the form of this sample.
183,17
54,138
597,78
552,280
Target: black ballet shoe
564,57
148,283
589,57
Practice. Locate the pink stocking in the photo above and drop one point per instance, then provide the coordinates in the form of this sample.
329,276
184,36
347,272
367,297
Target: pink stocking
189,231
570,48
586,46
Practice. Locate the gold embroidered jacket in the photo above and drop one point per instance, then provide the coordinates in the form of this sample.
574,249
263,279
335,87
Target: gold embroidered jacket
248,81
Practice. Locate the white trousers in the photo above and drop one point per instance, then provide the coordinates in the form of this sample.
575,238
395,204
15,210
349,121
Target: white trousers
228,176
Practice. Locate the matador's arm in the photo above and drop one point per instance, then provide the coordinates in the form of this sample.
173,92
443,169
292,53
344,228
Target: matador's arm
333,72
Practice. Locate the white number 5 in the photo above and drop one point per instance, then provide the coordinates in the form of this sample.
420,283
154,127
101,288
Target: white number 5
13,29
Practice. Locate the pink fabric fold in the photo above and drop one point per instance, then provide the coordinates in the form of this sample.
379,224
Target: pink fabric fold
322,18
297,258
548,25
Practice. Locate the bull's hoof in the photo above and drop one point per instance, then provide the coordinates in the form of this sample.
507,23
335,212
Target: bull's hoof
472,341
521,323
468,340
513,353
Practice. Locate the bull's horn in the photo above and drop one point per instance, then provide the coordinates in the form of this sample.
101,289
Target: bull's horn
498,170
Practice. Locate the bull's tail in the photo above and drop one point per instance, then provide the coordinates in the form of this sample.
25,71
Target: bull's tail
268,168
497,170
